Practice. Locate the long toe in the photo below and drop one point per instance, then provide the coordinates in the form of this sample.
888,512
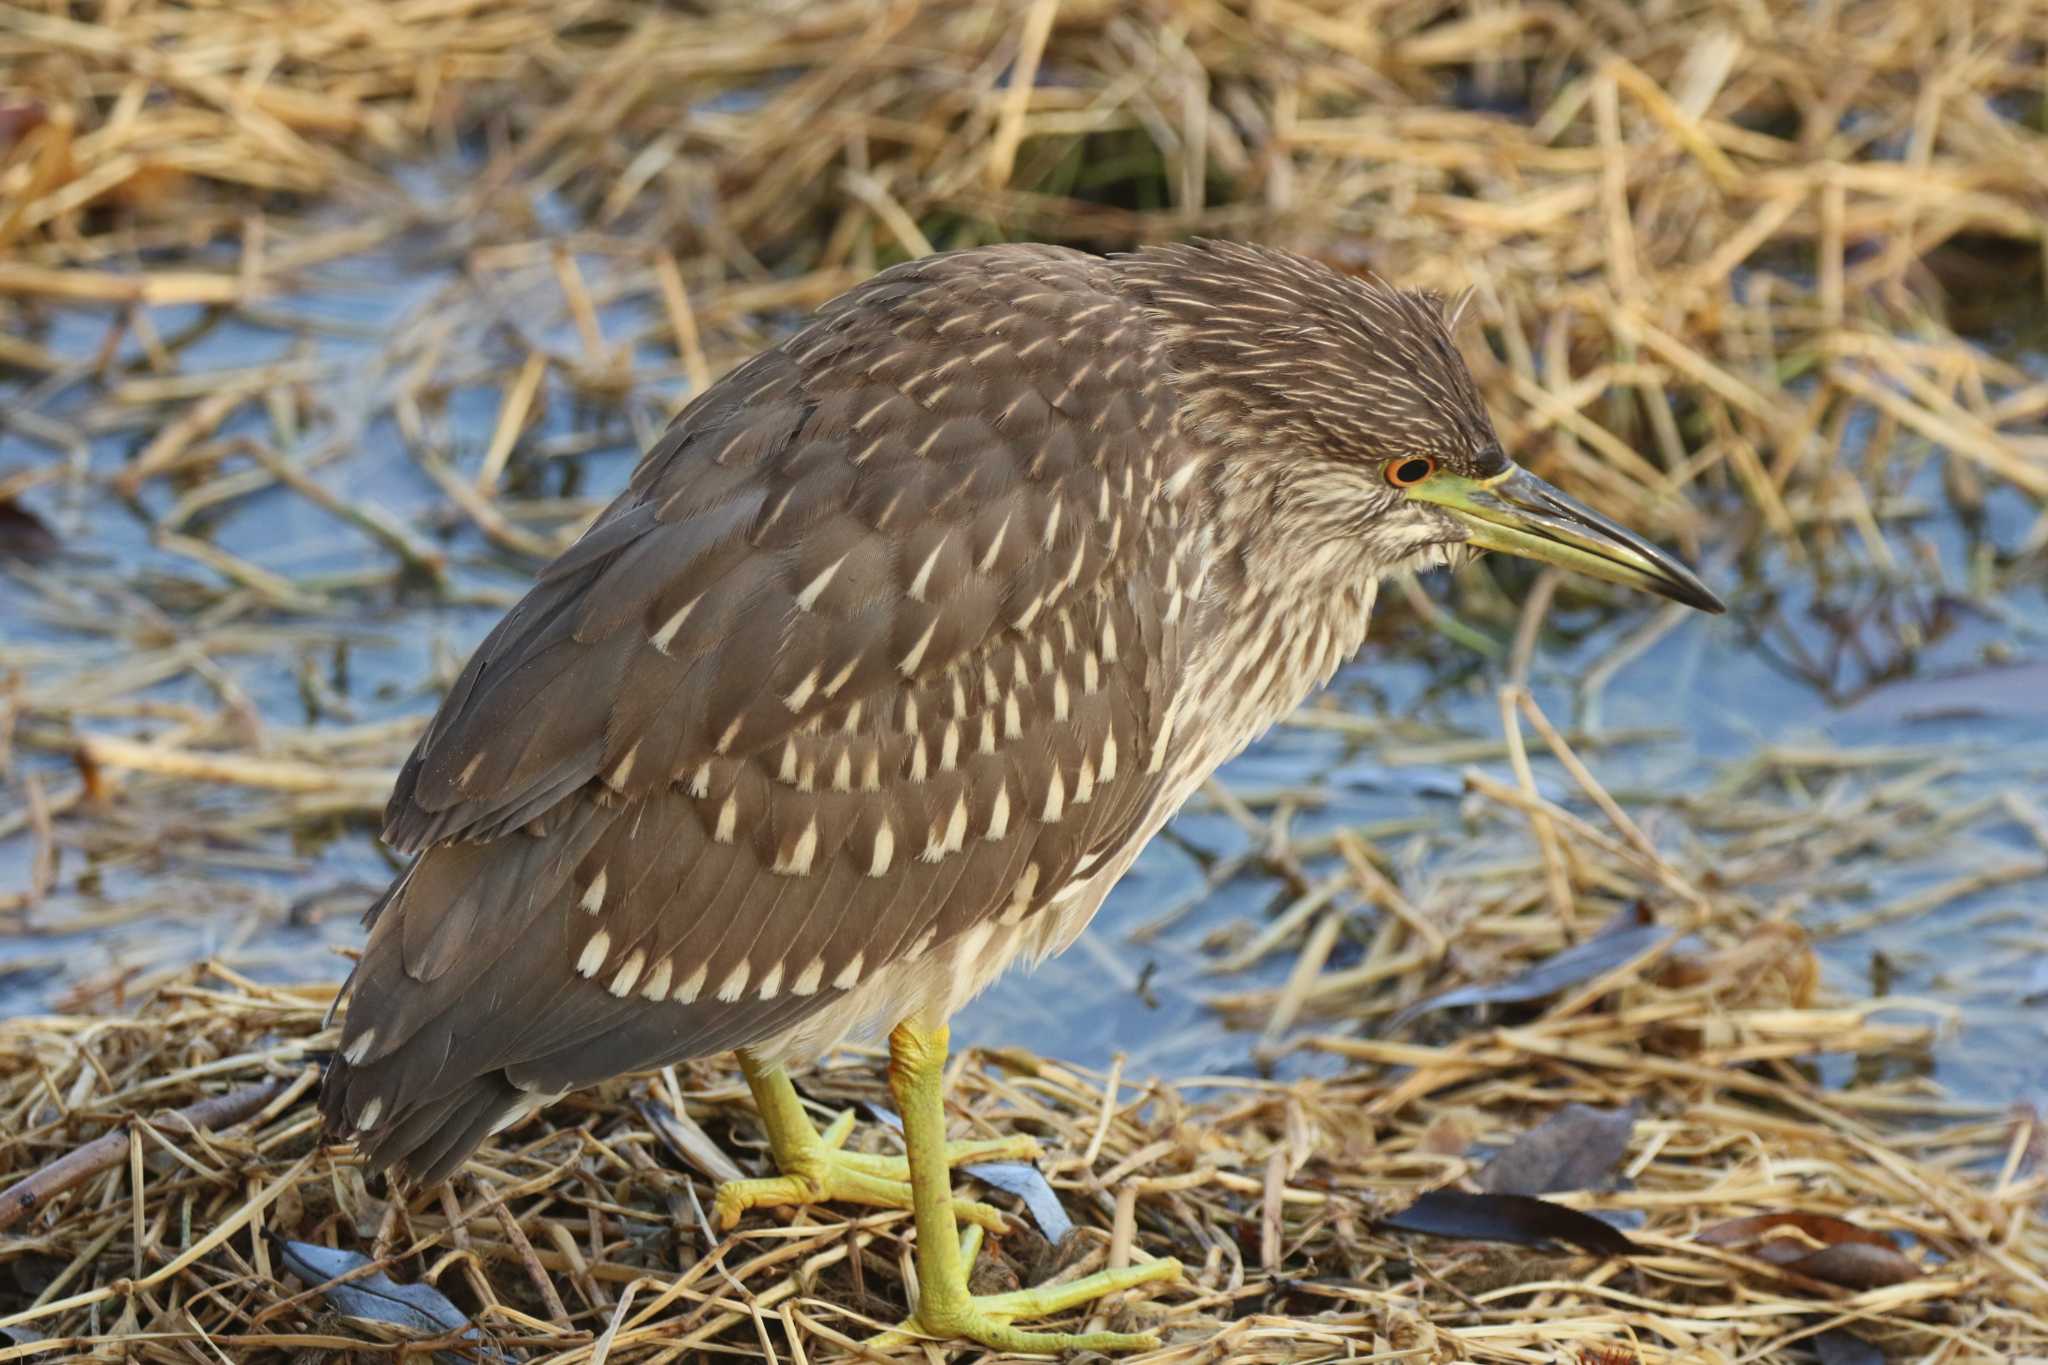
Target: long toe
989,1320
827,1176
1017,1147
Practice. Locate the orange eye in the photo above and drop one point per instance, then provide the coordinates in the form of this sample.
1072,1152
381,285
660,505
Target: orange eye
1411,471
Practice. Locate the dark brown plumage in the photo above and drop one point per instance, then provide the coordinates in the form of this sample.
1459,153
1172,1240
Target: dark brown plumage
905,638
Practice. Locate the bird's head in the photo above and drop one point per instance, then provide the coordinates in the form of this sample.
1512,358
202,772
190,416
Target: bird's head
1351,401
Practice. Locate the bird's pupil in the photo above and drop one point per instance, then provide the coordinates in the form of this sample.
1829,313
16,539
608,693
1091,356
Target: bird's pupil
1412,471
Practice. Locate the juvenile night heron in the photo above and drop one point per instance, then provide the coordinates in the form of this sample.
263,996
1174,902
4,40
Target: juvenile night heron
904,640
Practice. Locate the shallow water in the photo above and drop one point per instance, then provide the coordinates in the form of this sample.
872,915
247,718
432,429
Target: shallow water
1716,691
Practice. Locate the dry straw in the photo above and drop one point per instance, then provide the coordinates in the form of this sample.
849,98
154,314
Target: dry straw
1718,249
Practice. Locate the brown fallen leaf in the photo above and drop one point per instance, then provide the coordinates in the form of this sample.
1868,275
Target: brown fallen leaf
1571,1150
1817,1246
1824,1229
1449,1133
1856,1266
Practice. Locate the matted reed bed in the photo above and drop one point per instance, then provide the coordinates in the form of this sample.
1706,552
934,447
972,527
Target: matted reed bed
1757,276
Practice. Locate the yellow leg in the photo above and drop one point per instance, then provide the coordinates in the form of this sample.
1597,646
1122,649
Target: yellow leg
917,1063
815,1169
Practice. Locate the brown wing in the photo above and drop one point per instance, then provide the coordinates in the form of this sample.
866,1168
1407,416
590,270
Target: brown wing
877,647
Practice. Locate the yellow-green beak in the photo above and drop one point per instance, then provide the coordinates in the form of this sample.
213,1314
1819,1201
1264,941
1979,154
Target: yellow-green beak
1519,514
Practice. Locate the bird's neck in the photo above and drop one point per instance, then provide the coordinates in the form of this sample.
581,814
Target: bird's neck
1282,608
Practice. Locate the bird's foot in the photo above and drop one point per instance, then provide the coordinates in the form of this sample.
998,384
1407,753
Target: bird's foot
817,1169
949,1311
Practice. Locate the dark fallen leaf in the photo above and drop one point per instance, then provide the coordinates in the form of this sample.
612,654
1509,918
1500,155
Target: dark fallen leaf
1602,953
1837,1347
1571,1150
415,1309
1513,1218
23,534
1019,1178
2015,690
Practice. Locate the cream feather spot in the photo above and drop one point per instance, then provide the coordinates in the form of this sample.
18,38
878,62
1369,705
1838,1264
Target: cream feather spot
923,581
691,988
907,666
1163,743
593,895
839,680
797,861
849,975
657,983
809,979
995,545
1021,895
797,696
594,953
666,635
807,596
1055,798
948,838
628,974
735,983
